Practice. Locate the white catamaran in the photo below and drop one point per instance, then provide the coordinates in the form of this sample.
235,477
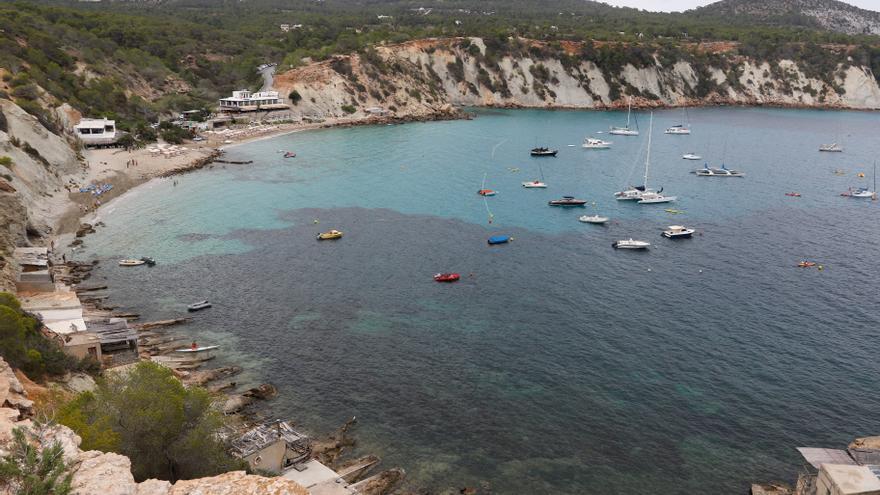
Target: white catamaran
643,194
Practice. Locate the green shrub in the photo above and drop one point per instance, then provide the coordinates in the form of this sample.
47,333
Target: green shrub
6,161
167,430
30,470
295,97
23,346
348,109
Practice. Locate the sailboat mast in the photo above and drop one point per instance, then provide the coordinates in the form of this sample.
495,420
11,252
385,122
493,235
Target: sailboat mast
648,156
628,112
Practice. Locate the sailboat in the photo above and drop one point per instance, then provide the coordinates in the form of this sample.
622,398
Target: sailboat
864,192
680,129
536,184
625,131
648,196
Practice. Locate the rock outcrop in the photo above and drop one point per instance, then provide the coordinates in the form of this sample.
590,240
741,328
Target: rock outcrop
422,77
100,473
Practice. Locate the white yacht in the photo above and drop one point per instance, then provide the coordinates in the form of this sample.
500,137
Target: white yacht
691,156
594,219
833,148
656,198
718,172
678,232
630,244
534,184
679,130
626,130
596,144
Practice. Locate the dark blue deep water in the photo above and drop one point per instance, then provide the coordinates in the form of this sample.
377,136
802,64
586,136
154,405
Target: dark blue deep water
557,365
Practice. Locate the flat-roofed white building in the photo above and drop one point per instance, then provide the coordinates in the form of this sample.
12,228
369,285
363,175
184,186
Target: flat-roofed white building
97,132
245,101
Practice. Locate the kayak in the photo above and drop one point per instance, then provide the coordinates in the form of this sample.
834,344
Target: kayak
447,277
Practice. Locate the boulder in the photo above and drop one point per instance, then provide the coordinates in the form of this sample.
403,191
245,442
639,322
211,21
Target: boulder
263,392
237,483
153,487
104,474
866,443
236,403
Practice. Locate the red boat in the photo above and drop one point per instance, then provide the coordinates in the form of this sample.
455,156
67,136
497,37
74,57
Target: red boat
793,194
447,277
290,154
486,192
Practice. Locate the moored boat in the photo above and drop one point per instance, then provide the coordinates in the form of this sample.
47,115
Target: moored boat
832,148
678,129
198,306
717,172
691,156
678,232
447,277
499,239
655,198
543,151
630,244
567,201
594,219
596,144
330,234
534,184
131,262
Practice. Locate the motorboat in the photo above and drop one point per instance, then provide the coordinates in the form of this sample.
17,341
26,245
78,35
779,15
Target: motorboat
678,232
655,198
679,130
594,219
596,144
534,184
832,148
330,234
131,262
198,306
718,172
447,277
543,151
499,239
567,201
633,193
691,156
625,130
487,192
630,244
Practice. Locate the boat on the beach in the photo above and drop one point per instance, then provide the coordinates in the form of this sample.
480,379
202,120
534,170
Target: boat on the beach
330,234
630,244
543,151
567,201
499,239
447,277
596,144
678,232
717,172
131,262
198,306
831,148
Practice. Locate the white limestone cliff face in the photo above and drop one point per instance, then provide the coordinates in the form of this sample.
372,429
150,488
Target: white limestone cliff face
99,473
419,78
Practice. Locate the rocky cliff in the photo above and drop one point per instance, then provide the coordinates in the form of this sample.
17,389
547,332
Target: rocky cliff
423,77
832,15
110,474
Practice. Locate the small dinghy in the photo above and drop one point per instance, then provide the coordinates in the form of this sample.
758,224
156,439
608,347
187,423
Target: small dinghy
630,244
831,148
567,201
289,154
692,156
806,264
534,184
132,262
198,306
499,239
596,144
330,234
543,151
793,194
447,277
487,192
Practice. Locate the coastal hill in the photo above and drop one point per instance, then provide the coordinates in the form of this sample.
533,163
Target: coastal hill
426,76
831,15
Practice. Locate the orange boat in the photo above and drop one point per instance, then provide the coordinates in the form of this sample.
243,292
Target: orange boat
487,192
806,264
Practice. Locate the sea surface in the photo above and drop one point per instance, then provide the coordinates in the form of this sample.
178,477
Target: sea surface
557,364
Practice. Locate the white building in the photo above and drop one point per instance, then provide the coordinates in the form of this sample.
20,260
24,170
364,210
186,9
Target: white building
96,132
245,101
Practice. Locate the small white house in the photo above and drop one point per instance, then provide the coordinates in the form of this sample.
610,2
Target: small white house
245,101
97,132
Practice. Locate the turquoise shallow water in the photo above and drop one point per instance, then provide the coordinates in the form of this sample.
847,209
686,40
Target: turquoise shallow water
557,365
